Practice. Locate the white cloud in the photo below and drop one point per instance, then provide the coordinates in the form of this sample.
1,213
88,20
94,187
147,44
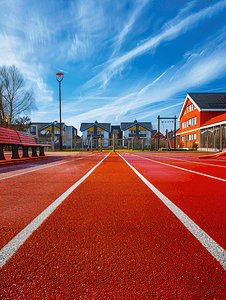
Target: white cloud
169,31
129,25
65,35
161,95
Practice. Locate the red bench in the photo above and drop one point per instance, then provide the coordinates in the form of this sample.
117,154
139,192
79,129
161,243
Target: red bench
16,139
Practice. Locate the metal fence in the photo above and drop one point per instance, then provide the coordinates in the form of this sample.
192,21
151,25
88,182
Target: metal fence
106,144
213,138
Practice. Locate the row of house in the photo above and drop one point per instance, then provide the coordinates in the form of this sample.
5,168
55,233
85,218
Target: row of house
49,132
202,122
124,131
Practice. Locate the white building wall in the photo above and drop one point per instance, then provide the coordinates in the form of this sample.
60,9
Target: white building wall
84,137
104,141
126,133
148,134
106,137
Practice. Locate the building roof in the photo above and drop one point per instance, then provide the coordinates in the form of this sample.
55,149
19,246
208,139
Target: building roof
206,101
56,125
125,125
115,127
154,135
39,123
209,100
214,120
105,126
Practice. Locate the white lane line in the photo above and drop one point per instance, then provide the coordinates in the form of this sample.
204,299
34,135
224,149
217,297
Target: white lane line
187,170
212,247
44,167
9,249
190,161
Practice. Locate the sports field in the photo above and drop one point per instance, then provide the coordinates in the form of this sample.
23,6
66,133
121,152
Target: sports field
113,226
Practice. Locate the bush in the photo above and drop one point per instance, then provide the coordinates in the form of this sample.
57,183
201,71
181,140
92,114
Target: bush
194,146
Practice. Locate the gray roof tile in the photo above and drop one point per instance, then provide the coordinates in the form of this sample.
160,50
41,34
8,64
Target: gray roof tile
106,126
125,125
209,100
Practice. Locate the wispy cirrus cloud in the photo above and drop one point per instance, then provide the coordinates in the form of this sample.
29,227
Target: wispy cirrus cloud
169,31
117,66
139,6
162,95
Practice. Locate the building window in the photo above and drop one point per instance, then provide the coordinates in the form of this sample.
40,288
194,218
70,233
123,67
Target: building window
192,137
195,120
44,132
190,108
100,133
133,131
189,122
189,137
33,130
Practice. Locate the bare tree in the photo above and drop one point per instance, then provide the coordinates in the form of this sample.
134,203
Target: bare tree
22,123
14,98
2,107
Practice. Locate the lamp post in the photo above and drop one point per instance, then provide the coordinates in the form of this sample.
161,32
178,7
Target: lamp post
59,78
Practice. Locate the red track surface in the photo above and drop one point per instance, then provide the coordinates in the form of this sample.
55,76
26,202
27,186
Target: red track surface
112,238
26,196
201,198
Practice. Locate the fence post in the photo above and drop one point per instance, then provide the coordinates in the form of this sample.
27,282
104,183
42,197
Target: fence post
175,130
113,142
53,138
221,146
100,144
166,139
91,139
158,132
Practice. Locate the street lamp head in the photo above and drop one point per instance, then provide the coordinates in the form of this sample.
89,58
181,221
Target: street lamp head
59,77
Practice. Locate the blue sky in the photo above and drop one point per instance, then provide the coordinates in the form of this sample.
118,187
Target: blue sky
122,60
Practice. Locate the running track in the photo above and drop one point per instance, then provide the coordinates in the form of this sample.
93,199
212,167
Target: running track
128,226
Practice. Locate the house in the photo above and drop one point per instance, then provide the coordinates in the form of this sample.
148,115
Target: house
51,132
95,130
154,135
136,130
197,109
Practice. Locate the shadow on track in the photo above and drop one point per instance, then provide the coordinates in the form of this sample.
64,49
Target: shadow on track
27,163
